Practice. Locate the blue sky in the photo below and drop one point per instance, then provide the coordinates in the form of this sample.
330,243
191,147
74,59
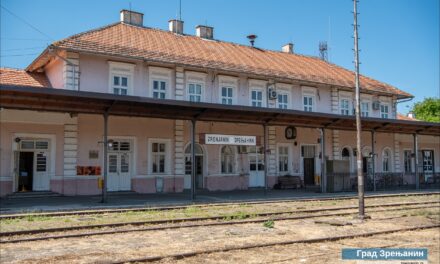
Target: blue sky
399,39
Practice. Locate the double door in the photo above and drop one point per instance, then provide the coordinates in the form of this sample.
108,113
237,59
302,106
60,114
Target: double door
119,172
256,168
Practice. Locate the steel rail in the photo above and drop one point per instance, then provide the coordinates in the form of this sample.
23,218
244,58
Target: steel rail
191,225
211,204
261,245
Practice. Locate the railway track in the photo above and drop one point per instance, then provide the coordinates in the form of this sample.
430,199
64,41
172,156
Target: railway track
271,244
201,221
213,204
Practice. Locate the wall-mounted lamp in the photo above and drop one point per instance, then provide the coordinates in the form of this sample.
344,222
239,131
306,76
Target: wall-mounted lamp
109,143
17,140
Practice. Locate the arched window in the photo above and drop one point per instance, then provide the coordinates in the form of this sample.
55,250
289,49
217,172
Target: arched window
386,160
345,154
227,159
197,150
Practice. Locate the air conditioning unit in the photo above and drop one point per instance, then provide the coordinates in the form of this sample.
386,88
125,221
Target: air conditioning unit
271,93
376,105
242,150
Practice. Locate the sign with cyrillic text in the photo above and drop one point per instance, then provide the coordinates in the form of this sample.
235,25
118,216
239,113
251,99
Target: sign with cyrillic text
217,139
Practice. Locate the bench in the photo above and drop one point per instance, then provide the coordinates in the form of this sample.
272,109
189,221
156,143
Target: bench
289,182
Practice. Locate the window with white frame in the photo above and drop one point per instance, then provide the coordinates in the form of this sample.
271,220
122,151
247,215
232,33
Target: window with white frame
227,95
159,89
407,161
121,78
257,98
345,106
365,109
384,111
283,159
308,102
158,157
283,100
386,160
194,92
227,159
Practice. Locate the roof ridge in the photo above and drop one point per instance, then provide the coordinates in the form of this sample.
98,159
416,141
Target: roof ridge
85,33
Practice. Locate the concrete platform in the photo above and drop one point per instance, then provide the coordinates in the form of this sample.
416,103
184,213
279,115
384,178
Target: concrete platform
127,200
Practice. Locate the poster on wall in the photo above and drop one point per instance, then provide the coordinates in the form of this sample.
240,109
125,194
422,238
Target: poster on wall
88,170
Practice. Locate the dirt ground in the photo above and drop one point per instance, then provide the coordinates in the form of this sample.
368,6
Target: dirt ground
118,247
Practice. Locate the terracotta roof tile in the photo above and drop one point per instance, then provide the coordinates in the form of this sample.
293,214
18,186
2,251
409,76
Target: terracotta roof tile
18,77
163,46
404,117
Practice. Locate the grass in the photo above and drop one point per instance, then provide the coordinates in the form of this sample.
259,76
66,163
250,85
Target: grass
269,224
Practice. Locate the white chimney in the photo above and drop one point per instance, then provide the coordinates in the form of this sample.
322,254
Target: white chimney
175,26
205,32
411,115
132,17
288,48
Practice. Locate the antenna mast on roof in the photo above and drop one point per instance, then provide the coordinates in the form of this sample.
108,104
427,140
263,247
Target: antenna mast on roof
180,10
323,48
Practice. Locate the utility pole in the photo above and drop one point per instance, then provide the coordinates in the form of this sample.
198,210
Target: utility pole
360,175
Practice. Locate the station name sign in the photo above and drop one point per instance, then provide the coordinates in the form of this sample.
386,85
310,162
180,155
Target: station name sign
217,139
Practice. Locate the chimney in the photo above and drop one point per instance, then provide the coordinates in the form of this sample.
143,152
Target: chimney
175,26
411,115
288,48
132,18
205,32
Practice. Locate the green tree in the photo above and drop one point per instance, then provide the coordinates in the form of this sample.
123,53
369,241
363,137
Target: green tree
428,110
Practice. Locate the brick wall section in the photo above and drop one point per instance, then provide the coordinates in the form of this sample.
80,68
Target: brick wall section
272,169
179,155
180,83
396,155
70,147
71,72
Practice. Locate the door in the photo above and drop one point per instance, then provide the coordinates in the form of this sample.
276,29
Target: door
428,161
25,171
118,172
256,168
309,171
199,172
41,175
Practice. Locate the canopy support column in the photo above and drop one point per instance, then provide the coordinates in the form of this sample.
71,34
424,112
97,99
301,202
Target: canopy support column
193,159
104,185
265,156
373,158
416,160
323,169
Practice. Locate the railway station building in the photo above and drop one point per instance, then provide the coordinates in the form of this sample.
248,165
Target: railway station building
155,111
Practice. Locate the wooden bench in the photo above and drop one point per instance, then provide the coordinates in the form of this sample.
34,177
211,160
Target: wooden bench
289,182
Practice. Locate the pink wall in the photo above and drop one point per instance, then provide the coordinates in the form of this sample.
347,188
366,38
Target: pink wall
54,72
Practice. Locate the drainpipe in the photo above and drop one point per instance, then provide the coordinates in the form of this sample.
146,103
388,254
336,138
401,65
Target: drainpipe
323,172
416,161
104,186
266,149
193,159
373,158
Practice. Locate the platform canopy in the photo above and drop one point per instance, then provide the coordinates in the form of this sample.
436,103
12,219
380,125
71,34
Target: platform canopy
82,102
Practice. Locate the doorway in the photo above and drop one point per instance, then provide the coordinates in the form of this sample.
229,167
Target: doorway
256,167
119,166
199,167
308,155
25,171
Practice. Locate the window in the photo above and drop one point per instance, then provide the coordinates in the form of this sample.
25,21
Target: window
121,76
158,157
41,162
345,107
257,98
159,89
407,160
227,95
384,111
283,101
365,109
283,159
120,84
308,103
194,92
386,161
227,159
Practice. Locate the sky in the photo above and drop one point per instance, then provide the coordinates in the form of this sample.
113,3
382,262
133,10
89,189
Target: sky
399,39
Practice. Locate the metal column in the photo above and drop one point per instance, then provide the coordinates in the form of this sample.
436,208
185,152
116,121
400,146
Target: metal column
323,169
265,156
373,158
416,161
193,159
104,185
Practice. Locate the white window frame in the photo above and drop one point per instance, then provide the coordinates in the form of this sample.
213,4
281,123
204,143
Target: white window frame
161,75
344,111
196,78
121,69
289,158
286,104
309,92
367,112
234,161
167,143
228,82
383,113
260,86
262,101
390,159
411,160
